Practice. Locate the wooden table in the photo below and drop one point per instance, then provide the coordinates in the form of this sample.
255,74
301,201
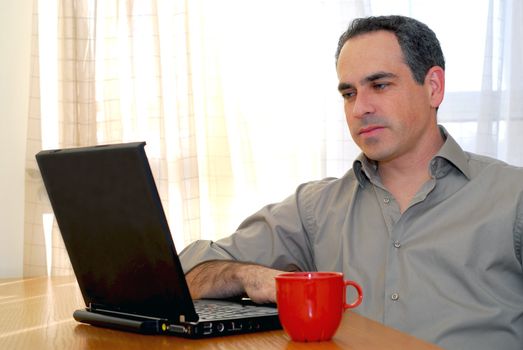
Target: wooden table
36,313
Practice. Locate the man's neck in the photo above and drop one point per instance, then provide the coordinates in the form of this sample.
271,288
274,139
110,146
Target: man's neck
404,176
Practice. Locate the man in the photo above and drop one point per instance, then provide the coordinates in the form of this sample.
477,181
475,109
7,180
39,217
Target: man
432,233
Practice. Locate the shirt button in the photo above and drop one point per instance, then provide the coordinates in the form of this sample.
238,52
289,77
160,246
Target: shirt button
386,200
395,296
397,244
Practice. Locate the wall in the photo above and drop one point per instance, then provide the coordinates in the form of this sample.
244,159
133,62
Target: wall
15,40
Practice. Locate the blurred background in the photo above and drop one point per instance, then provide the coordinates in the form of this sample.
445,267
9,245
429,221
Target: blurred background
236,99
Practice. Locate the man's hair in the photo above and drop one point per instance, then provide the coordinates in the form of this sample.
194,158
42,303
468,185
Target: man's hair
420,46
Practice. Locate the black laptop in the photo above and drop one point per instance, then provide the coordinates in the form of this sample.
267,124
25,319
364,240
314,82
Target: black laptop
116,234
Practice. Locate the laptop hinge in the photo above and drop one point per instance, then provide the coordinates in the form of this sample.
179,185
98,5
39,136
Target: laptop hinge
108,311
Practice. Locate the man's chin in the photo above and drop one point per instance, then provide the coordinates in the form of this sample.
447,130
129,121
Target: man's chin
377,155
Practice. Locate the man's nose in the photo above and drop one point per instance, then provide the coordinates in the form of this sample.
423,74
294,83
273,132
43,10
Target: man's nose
363,105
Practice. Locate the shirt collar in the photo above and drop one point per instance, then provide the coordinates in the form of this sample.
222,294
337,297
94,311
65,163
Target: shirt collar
450,155
364,169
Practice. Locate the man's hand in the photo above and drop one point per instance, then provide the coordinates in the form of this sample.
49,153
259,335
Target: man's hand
223,279
259,283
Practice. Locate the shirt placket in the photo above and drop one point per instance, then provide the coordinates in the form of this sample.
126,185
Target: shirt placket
394,276
391,216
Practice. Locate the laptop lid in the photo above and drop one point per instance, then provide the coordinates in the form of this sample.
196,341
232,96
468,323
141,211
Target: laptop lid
115,231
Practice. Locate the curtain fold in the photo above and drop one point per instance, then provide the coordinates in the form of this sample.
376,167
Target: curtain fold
500,120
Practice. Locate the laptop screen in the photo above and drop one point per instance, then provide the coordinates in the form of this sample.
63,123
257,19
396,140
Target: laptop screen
115,231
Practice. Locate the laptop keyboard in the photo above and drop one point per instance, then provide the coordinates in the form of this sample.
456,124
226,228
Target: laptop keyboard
210,309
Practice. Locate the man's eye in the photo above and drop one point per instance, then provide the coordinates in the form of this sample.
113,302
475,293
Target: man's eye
380,86
348,94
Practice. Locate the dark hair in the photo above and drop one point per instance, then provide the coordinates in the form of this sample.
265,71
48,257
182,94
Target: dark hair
420,46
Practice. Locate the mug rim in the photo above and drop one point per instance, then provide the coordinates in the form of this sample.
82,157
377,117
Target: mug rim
308,275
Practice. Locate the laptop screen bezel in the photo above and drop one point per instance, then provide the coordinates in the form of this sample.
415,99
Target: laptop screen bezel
114,228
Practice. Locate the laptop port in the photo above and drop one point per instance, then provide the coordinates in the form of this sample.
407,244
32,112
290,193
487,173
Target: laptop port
235,326
207,328
173,328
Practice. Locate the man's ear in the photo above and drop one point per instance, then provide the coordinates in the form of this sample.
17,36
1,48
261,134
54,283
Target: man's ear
435,82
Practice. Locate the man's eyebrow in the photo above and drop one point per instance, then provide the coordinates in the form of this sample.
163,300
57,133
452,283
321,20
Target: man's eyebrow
344,86
377,76
368,79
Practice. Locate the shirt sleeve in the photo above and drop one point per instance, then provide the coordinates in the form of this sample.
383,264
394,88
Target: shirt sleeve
518,230
275,236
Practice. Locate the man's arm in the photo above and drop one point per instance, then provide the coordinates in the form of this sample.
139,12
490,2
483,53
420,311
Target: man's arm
223,279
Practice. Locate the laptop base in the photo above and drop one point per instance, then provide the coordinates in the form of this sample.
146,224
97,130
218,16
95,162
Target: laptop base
119,243
152,326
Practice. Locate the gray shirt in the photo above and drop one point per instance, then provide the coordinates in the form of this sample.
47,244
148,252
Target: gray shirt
447,270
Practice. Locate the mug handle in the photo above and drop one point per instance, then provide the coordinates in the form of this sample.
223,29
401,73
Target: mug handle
358,300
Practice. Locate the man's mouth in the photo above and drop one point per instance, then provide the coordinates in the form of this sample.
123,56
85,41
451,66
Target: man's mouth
370,130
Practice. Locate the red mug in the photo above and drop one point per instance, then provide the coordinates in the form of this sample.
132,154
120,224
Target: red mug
311,304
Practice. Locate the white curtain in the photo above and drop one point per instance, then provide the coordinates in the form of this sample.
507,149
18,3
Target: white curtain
230,96
236,99
500,122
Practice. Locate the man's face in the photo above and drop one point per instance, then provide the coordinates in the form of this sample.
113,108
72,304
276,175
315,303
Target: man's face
387,111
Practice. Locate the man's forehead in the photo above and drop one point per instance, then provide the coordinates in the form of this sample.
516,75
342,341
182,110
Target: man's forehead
370,44
369,53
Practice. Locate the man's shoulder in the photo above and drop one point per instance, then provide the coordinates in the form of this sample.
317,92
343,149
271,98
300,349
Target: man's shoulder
328,186
481,164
